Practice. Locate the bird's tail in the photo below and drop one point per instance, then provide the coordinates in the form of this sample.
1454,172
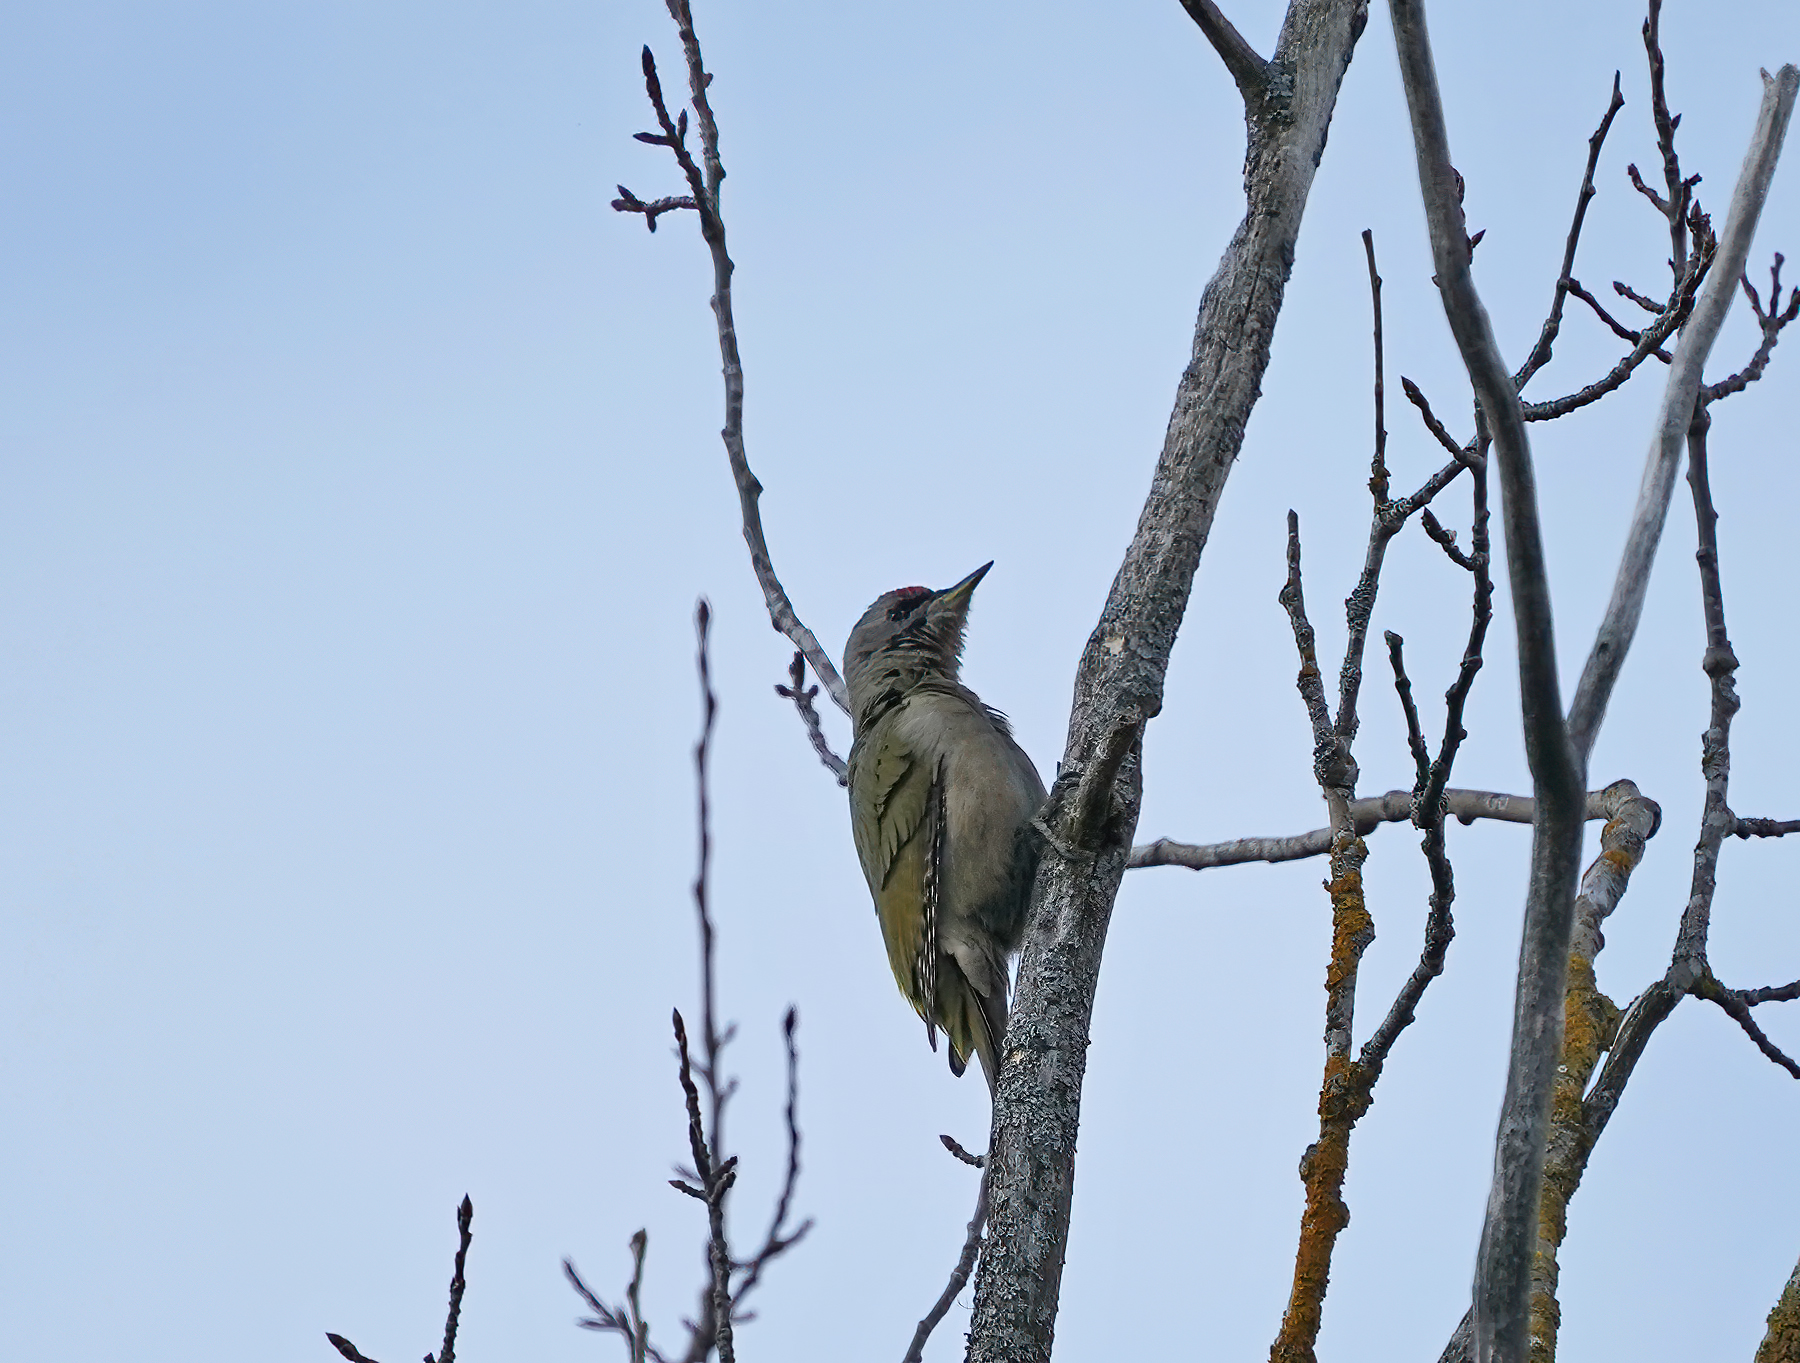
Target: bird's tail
974,1022
990,1033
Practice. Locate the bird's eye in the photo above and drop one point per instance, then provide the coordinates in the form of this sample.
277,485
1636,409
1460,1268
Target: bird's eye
901,609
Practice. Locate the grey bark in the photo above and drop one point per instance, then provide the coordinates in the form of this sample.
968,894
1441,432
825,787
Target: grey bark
1119,686
1679,392
1365,815
1503,1267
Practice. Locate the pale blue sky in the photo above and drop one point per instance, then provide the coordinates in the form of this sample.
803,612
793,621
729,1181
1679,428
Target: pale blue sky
360,472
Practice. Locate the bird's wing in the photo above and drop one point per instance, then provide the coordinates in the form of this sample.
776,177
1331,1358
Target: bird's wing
925,966
898,785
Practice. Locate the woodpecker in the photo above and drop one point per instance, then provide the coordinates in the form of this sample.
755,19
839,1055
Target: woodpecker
941,803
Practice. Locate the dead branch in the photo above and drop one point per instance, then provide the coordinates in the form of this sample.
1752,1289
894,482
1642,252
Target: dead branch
1591,1027
1119,685
1619,624
1247,68
1502,1291
704,185
1546,341
803,695
1771,323
965,1263
1466,806
465,1214
627,1321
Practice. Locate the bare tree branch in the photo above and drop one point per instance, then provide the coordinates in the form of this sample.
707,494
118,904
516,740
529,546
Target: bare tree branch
1617,628
1617,327
965,1265
1778,993
1675,207
1119,686
1674,313
464,1215
1429,797
1546,341
1766,828
1502,1283
1247,68
1395,806
1343,1092
347,1349
779,1239
802,695
1735,1008
1772,323
1592,1023
627,1321
704,185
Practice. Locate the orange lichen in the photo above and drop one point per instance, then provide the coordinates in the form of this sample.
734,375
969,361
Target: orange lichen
1343,1098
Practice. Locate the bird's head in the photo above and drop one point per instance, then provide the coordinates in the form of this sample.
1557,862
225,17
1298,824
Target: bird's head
907,635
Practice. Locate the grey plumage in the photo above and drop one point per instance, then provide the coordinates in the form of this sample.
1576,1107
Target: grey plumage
941,800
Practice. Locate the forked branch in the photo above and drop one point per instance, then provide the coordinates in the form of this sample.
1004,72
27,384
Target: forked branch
704,180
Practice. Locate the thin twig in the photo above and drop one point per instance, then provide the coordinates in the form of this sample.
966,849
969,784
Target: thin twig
802,695
704,182
1445,540
1680,189
1674,313
1649,305
347,1349
1617,327
1378,473
1415,736
464,1215
628,1321
779,1240
959,1276
1540,352
1619,625
1772,322
1429,798
1502,1290
1739,1012
1432,424
955,1148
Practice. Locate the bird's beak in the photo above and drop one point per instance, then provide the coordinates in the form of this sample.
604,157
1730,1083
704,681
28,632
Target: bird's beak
959,595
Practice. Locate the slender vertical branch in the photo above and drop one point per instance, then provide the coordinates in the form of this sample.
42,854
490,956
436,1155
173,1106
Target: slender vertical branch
464,1215
1119,686
1619,625
1502,1282
705,180
1343,1098
1592,1026
1546,341
1590,1022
